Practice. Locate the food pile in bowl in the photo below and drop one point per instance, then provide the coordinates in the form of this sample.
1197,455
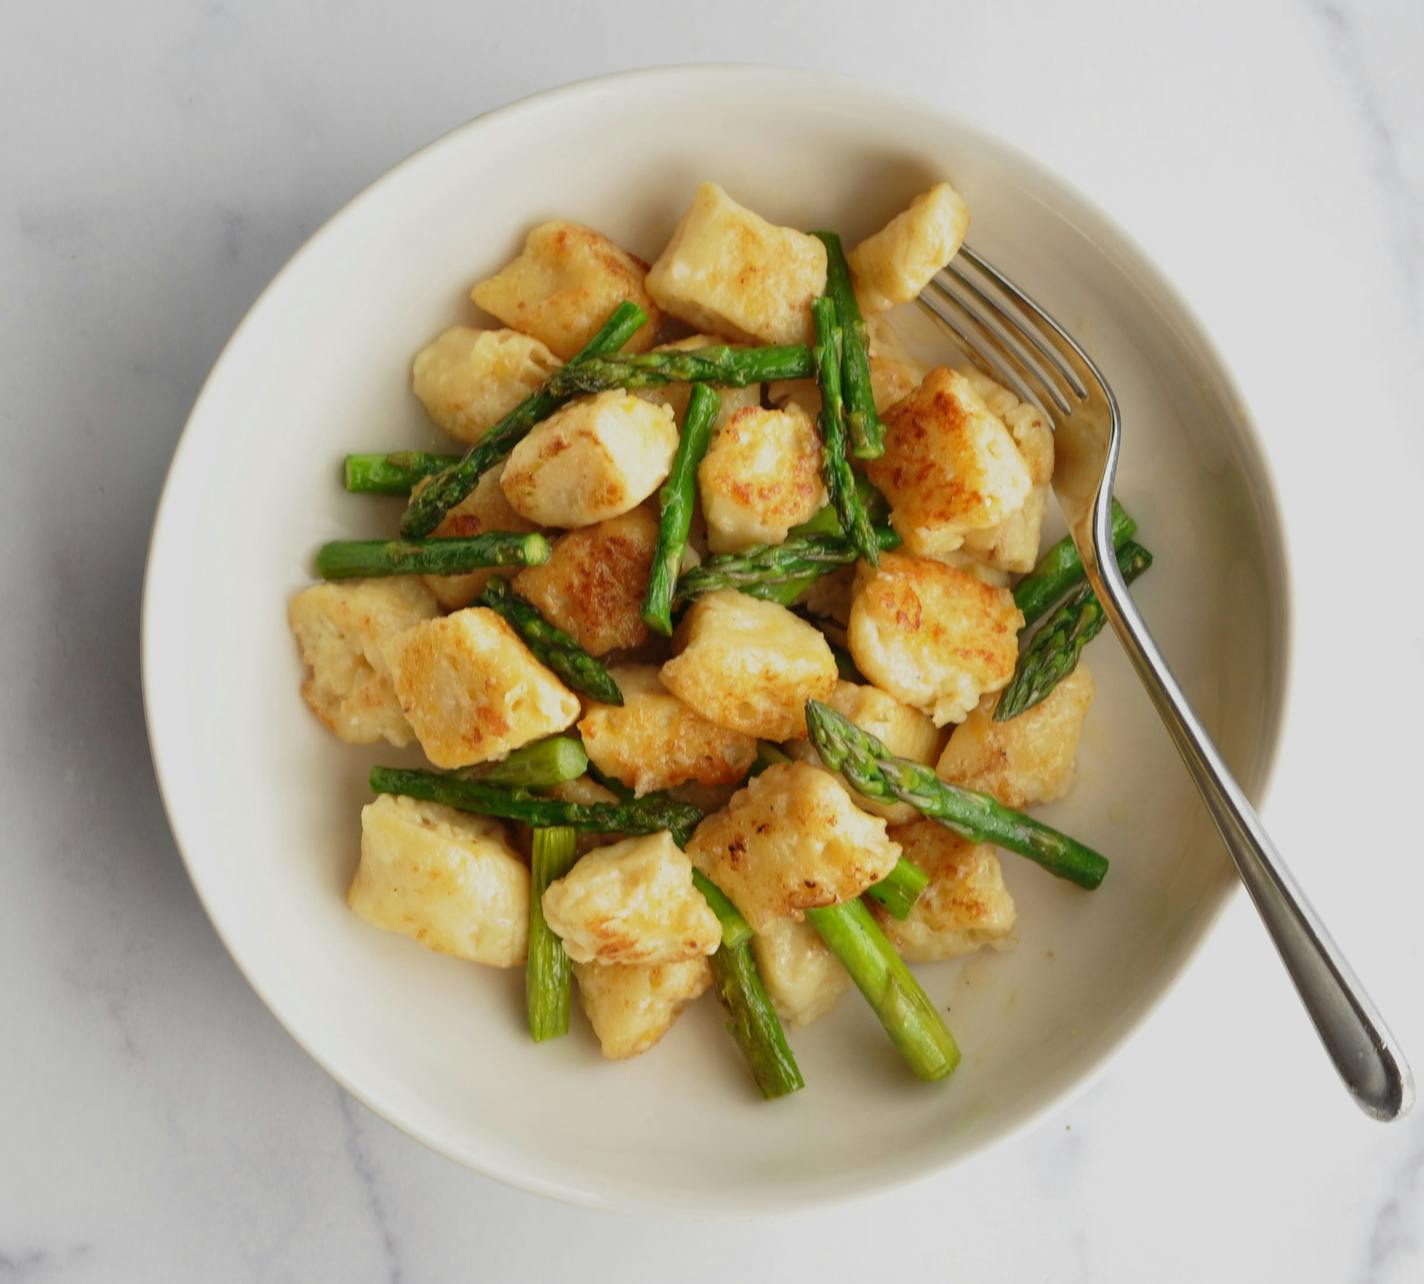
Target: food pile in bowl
727,639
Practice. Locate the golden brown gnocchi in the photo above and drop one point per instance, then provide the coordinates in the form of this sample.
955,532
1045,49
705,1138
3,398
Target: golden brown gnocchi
933,636
562,286
469,379
631,1006
593,583
790,841
655,741
449,880
729,271
596,458
632,902
1029,758
749,665
341,629
472,690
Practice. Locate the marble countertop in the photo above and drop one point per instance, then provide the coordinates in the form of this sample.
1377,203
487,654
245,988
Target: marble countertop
161,160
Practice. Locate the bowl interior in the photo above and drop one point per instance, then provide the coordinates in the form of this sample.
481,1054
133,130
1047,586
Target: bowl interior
265,804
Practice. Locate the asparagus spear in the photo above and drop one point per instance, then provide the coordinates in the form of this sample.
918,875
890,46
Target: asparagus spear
870,768
1053,652
900,888
647,815
867,433
765,569
1061,568
767,755
548,975
675,504
539,765
728,366
828,522
835,469
753,1022
346,558
845,663
449,487
391,472
736,931
910,1019
551,646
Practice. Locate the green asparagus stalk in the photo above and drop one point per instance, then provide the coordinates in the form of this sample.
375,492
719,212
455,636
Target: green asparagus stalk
910,1019
539,765
867,433
845,664
647,815
835,468
767,755
548,975
1060,569
344,559
753,1022
675,503
551,646
871,769
1053,652
736,931
900,888
767,567
723,365
827,520
391,472
448,488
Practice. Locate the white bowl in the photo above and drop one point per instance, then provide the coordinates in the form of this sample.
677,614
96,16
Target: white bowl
264,803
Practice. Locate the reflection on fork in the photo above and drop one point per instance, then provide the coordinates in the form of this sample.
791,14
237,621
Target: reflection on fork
1014,340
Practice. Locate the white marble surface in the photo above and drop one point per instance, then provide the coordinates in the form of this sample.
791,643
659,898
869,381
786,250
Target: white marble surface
160,160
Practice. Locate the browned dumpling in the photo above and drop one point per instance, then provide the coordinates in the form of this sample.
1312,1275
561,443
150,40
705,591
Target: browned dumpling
934,636
965,906
1028,759
593,584
790,841
950,467
749,665
562,286
631,1007
654,741
341,629
472,690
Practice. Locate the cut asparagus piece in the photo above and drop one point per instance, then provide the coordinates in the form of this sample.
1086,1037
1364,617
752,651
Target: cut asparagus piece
871,769
448,488
720,364
900,888
1053,652
765,569
391,473
1060,569
647,815
736,931
351,558
551,646
548,975
753,1022
540,765
910,1019
828,522
867,433
835,468
767,755
676,500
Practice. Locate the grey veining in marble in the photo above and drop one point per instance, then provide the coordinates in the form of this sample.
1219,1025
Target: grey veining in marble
161,160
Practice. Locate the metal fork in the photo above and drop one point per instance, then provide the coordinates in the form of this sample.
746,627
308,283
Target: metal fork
1018,343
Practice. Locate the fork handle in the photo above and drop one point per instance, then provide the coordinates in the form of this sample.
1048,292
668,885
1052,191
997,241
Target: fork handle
1359,1043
